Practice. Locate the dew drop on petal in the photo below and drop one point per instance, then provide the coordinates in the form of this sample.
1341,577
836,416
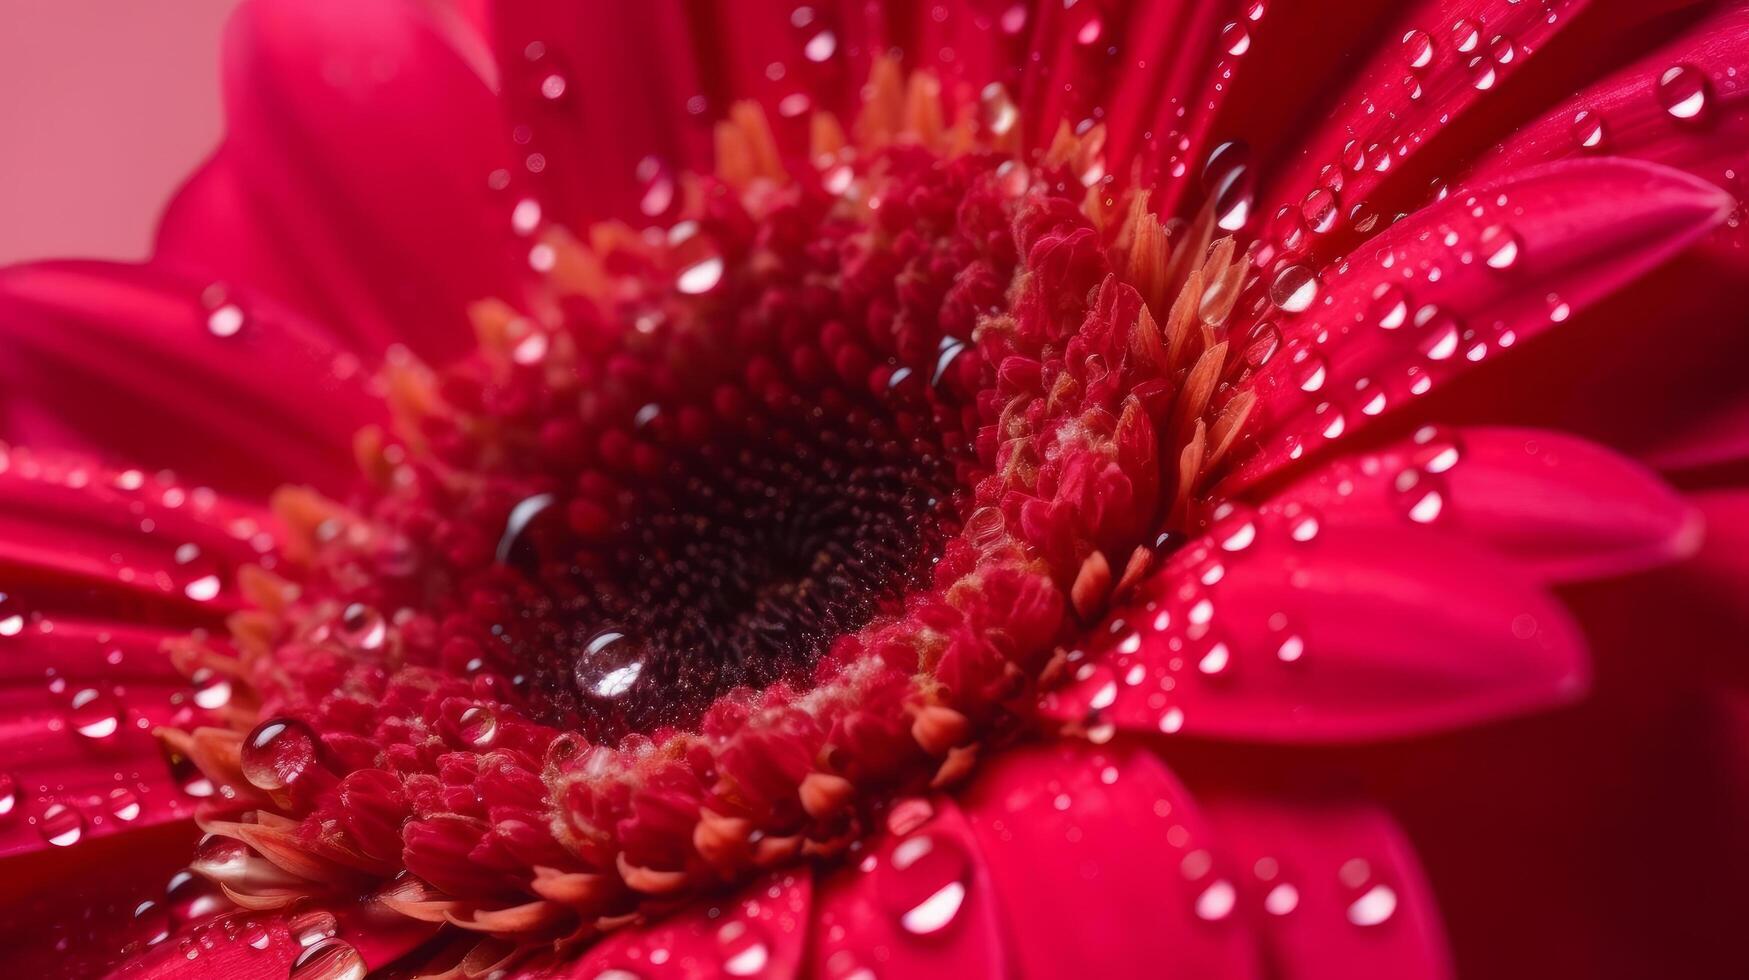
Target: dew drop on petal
1235,39
61,824
330,959
924,883
1374,907
94,714
1684,92
1294,288
1499,246
1216,901
1282,899
743,949
1587,129
609,665
1319,210
1417,50
124,804
277,753
479,727
1390,306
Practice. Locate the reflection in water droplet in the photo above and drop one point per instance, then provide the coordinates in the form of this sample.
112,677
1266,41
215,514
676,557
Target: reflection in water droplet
1235,39
1294,288
124,804
609,665
330,959
61,824
924,883
520,517
1499,246
1417,49
278,753
1684,92
1587,129
479,727
94,714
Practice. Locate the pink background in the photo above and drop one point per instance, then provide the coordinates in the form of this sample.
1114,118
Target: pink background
105,106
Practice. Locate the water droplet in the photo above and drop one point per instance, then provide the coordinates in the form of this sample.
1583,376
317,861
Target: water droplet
1216,901
1265,339
1684,92
925,883
224,318
1294,288
701,276
1235,39
1482,73
311,928
151,922
362,627
189,896
1464,35
1417,51
1587,129
61,824
212,690
1499,246
1390,306
256,935
1440,333
1501,49
94,714
124,804
278,753
11,615
1419,495
8,795
657,184
479,727
609,665
330,959
742,948
1310,370
1282,899
1319,210
1216,660
820,47
1374,907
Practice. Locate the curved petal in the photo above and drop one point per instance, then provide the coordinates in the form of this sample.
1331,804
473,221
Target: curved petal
762,930
1111,834
1559,507
360,150
1334,888
1263,633
139,363
1457,283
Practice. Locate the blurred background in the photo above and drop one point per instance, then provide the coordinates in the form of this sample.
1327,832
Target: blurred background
105,106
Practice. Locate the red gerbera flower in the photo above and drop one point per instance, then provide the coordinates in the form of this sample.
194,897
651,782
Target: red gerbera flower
897,490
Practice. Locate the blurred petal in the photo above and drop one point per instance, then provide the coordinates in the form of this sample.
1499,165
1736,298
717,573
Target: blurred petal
138,363
1334,888
761,930
360,143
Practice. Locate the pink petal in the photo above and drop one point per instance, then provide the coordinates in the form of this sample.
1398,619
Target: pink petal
1718,437
1103,866
762,930
360,143
1559,507
1334,889
214,381
1355,633
1447,288
1437,63
919,903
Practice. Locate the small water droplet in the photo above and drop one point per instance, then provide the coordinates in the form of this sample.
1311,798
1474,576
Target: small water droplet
1282,899
701,276
362,627
1464,35
124,804
94,714
1499,246
151,922
820,47
479,727
742,948
212,690
1319,210
1235,39
1419,495
1587,129
61,824
189,896
1374,907
1216,901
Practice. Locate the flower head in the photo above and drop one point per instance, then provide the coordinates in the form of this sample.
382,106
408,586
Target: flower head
886,440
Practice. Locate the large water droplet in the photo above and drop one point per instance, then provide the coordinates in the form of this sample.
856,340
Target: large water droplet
189,896
94,714
924,883
609,665
330,959
1417,50
1684,92
151,922
1235,39
1294,288
478,727
278,753
1499,246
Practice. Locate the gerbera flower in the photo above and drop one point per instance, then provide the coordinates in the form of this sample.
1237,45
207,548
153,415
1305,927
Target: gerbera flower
861,491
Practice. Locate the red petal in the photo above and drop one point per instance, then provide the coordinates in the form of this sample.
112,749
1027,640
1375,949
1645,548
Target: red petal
1559,507
1422,302
1334,889
142,364
1629,114
761,931
356,164
1103,866
1409,95
1358,633
931,911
